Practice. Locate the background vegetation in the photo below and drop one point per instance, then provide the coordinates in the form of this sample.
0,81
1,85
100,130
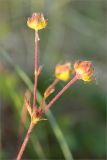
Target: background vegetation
76,123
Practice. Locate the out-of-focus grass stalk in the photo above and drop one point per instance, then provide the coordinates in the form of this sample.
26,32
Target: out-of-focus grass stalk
0,139
17,101
58,133
56,129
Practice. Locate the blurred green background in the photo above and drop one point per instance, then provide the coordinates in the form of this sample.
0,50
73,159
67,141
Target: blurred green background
77,122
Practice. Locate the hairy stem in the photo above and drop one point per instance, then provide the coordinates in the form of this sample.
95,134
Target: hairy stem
60,93
25,141
35,70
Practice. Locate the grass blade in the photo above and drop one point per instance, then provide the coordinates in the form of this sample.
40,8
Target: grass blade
56,129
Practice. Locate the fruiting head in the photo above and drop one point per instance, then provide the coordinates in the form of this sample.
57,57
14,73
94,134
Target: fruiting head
37,21
63,71
84,70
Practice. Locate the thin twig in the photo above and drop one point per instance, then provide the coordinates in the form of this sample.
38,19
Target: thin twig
25,141
60,93
48,90
35,70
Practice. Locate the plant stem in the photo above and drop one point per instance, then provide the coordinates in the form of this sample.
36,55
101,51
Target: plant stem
35,70
54,83
60,93
25,141
34,98
48,89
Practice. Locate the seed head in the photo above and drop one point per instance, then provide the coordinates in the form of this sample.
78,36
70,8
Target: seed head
63,71
84,70
37,21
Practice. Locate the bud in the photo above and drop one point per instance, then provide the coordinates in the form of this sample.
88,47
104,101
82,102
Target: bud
63,71
37,73
35,120
28,106
37,21
84,70
35,117
48,91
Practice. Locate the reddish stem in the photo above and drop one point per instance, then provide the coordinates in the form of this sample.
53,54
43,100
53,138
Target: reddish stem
60,93
54,83
49,89
35,70
25,141
34,98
